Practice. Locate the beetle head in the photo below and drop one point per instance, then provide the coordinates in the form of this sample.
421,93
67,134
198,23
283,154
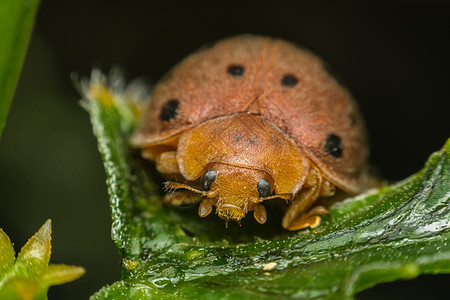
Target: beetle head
234,191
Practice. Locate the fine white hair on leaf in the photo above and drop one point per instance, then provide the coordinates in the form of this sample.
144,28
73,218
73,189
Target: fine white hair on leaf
130,99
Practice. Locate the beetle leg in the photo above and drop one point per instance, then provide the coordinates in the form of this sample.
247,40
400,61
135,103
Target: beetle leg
295,217
318,210
167,163
205,207
327,189
260,213
181,197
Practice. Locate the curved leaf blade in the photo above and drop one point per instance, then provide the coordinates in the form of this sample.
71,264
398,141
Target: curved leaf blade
16,22
396,232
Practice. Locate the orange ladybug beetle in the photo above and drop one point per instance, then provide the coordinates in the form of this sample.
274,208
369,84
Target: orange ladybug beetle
251,119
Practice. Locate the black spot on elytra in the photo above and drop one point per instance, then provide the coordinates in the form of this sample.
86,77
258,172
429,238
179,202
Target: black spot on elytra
236,70
252,140
169,110
289,80
333,146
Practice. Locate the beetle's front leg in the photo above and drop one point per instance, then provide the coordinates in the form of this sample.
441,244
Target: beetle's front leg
181,198
297,216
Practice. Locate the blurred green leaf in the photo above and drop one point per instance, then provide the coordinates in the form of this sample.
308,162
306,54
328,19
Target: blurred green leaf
16,22
30,276
396,232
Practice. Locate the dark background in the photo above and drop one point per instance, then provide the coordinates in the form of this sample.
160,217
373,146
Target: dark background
394,57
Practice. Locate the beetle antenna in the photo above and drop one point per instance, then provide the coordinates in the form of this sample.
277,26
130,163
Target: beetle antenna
287,197
170,186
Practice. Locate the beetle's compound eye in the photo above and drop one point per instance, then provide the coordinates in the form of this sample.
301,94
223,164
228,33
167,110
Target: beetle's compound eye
208,179
263,187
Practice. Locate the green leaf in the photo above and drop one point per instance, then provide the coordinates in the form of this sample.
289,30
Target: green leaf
396,232
30,276
16,22
7,255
